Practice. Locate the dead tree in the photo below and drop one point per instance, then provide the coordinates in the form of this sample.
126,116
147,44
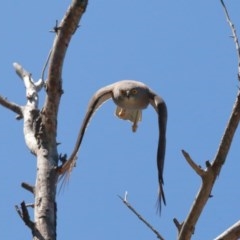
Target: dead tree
40,126
40,130
210,171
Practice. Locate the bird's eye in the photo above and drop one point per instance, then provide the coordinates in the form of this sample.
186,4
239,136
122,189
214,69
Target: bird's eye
134,91
123,92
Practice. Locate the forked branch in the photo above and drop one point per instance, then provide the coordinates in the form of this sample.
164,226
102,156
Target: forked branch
213,169
211,173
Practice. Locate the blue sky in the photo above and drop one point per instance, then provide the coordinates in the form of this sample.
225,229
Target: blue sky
183,51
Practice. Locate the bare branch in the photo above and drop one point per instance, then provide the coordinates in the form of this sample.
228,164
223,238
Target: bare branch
178,224
194,166
227,137
12,106
54,90
45,65
213,170
234,35
23,213
31,92
30,111
32,88
124,200
56,28
232,233
31,205
28,187
211,174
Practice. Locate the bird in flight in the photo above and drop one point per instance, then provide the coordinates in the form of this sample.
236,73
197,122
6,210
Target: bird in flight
131,97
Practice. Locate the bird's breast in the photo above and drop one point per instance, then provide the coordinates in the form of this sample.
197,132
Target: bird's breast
131,103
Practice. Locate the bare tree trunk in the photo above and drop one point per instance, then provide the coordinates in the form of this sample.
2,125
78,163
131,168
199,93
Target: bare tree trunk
40,127
45,191
47,156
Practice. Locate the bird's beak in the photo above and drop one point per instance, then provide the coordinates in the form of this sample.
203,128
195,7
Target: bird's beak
127,93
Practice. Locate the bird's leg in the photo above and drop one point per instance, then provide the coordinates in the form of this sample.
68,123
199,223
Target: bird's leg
132,115
121,113
134,126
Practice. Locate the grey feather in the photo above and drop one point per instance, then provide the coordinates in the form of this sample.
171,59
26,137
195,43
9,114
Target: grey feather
131,97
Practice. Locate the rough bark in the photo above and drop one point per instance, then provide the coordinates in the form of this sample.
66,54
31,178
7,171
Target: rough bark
40,127
47,156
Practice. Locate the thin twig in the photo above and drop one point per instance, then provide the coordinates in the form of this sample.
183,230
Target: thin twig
46,63
124,200
56,28
31,205
234,35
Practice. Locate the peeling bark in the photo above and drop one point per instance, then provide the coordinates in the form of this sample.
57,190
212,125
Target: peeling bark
40,127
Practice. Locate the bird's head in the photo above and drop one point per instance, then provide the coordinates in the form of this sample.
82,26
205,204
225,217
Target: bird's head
131,95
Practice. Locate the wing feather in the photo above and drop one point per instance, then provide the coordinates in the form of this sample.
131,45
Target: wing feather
160,107
96,101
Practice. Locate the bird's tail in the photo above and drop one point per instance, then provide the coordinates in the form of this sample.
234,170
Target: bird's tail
161,198
66,169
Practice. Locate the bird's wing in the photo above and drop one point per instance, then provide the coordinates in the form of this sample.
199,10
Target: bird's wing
97,99
159,105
